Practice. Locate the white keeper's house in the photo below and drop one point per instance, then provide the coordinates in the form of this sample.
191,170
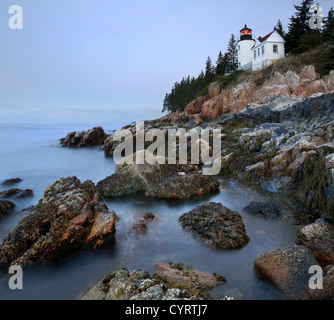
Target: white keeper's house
256,54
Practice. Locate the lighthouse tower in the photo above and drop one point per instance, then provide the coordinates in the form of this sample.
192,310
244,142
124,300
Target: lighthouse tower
245,45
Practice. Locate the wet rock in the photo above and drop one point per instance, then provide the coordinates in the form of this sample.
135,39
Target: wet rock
266,209
140,226
162,181
185,277
319,238
11,181
5,207
126,284
288,269
92,137
216,225
116,185
16,193
70,216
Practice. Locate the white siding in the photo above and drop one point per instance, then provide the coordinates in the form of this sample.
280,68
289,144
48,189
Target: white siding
245,54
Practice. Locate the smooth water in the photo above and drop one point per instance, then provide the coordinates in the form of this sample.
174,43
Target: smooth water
33,154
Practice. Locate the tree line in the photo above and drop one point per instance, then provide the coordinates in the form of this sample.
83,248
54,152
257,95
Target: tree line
299,38
188,89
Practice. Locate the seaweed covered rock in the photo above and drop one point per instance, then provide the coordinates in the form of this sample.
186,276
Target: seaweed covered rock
92,137
5,207
126,284
186,277
319,238
216,225
288,269
70,216
165,181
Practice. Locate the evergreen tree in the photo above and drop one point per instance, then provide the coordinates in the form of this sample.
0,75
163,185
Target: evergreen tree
209,70
328,54
232,54
221,64
299,30
329,25
279,28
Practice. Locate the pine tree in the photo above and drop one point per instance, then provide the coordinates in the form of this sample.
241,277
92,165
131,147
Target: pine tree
209,71
299,28
279,28
232,54
329,25
221,64
328,54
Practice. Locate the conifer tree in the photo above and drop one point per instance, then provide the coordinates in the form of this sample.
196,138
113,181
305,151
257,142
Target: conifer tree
299,30
279,28
232,54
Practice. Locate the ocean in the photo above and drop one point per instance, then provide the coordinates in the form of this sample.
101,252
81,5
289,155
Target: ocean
33,153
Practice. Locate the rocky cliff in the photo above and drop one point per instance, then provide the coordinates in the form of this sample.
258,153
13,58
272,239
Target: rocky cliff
218,101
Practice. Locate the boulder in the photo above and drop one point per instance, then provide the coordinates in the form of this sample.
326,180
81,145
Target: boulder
162,181
266,209
319,238
5,207
124,284
92,137
288,269
216,225
70,216
185,277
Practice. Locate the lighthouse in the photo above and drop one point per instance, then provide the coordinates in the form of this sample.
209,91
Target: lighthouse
245,45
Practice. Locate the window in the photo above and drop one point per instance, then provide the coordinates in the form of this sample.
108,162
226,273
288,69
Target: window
258,51
262,50
254,54
239,48
275,48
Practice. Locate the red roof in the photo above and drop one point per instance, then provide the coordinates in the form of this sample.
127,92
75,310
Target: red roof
266,37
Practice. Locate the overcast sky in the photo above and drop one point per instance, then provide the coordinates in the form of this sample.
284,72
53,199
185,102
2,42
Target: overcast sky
114,60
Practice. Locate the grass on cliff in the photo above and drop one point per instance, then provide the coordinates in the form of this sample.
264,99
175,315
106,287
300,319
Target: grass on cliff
293,63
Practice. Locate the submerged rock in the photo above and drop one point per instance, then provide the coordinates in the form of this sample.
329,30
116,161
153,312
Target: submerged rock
70,216
266,209
140,226
164,181
92,137
216,225
319,238
126,284
5,207
288,269
16,193
11,181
